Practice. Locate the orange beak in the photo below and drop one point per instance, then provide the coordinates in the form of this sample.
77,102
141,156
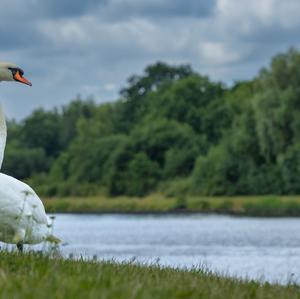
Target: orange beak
18,77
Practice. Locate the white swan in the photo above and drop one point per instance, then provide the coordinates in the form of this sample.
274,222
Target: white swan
23,219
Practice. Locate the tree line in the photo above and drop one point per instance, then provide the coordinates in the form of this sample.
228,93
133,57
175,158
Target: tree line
172,130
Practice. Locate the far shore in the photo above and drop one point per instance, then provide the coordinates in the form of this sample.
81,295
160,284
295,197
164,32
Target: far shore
256,206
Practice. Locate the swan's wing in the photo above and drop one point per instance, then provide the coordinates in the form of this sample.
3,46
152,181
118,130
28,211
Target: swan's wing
37,208
18,198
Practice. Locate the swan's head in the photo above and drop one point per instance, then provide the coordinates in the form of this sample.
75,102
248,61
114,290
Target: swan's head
10,72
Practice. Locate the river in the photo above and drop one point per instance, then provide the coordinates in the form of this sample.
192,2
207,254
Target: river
265,249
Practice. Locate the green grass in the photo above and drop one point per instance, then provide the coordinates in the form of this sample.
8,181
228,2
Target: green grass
266,206
36,276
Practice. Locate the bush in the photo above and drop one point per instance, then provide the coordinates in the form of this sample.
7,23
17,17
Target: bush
180,203
142,175
175,187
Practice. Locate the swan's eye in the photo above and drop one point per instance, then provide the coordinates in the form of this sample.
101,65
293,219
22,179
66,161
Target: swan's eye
20,71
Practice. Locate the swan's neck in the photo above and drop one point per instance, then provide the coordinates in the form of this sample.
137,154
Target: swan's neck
3,133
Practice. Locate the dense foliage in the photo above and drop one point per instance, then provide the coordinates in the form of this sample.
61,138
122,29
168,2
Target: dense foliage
172,130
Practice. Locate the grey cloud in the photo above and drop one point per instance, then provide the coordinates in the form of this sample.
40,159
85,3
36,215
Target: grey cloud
93,46
13,37
66,8
172,8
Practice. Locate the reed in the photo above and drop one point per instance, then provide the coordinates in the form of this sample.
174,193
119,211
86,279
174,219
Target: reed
259,206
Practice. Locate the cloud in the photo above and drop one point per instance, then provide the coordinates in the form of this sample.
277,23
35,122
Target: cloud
157,8
219,54
92,47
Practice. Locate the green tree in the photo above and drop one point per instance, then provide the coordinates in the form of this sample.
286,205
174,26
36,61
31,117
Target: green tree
41,130
134,104
143,175
26,162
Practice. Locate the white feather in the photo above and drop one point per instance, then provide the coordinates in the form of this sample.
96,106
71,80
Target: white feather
21,213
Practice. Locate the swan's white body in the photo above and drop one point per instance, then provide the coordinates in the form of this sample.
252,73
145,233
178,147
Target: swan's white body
23,219
22,214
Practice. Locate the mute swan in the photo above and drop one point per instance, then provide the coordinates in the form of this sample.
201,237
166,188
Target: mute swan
23,219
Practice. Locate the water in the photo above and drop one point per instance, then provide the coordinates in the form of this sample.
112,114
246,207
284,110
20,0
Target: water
256,248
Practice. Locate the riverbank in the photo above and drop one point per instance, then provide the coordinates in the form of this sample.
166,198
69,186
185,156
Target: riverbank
36,276
258,206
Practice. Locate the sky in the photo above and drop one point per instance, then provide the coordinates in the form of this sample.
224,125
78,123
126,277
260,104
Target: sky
89,47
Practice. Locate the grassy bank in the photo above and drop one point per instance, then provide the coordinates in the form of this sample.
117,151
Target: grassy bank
264,206
35,276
